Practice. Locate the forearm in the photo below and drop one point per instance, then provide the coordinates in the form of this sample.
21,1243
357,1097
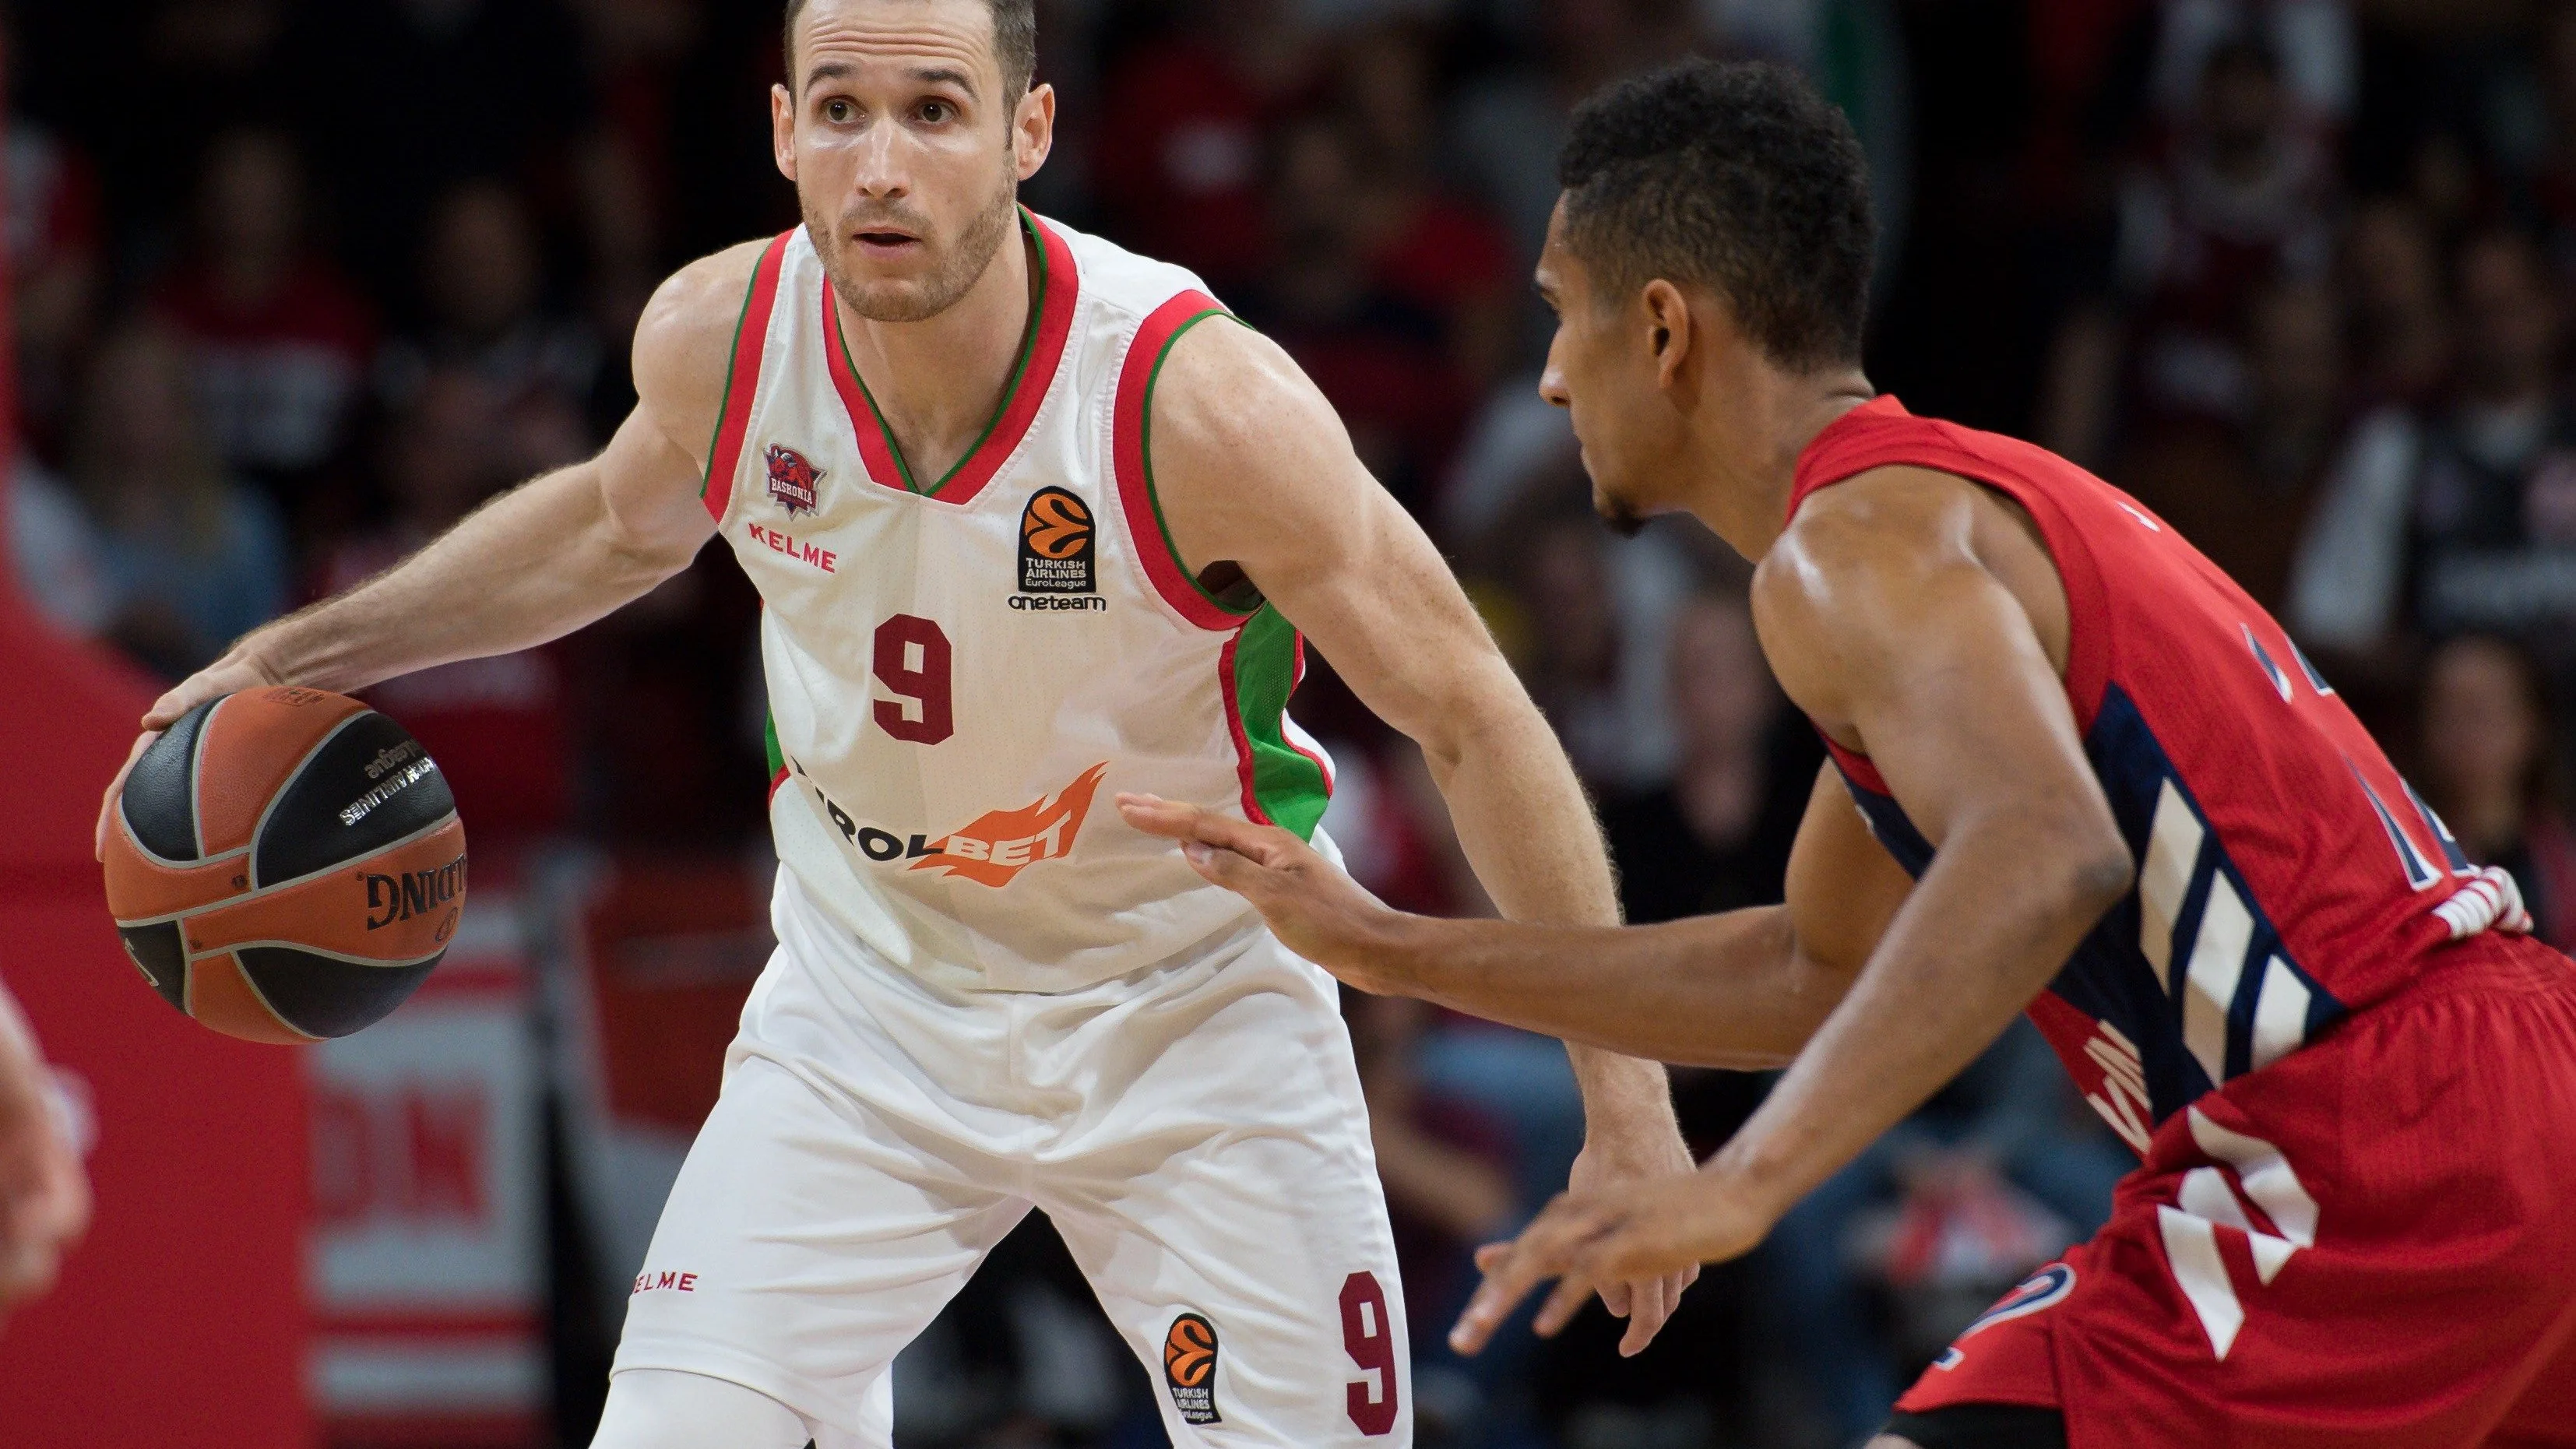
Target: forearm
531,566
1727,990
1992,922
1525,826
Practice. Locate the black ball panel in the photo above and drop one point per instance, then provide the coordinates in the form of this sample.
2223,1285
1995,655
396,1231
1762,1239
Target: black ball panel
369,785
160,795
324,995
163,956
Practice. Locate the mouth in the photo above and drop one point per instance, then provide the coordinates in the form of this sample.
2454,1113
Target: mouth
884,242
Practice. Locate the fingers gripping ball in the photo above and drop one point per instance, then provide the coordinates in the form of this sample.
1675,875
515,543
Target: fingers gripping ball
285,865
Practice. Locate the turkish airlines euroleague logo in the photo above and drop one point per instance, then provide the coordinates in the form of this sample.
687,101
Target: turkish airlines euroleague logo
1189,1368
1056,537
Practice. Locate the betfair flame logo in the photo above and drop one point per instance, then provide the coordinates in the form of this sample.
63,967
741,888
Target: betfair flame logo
1002,843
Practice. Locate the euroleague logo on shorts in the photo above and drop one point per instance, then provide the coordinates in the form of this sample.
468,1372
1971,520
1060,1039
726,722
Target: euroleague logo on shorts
1189,1368
1056,538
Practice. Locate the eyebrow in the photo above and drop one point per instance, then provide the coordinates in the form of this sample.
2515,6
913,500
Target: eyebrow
930,76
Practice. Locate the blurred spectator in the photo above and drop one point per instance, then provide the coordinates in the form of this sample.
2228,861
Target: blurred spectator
192,560
281,341
55,255
1596,669
498,727
1181,134
1716,837
1366,320
1997,1174
2494,772
2320,55
1507,127
2469,510
621,166
455,89
484,276
54,552
2239,196
2239,489
2400,320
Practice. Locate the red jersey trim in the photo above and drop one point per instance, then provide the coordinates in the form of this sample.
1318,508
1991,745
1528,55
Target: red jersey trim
1131,459
742,378
1059,288
1880,433
1243,759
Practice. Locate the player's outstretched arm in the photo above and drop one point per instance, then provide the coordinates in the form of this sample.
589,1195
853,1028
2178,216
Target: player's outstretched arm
541,560
1886,614
1251,466
1744,989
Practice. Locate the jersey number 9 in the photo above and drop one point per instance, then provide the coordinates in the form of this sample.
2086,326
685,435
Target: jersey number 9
913,660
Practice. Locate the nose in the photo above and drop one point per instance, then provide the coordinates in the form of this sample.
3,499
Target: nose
1551,383
884,171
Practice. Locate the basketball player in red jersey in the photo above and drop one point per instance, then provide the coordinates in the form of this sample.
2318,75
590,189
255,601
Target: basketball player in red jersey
2095,782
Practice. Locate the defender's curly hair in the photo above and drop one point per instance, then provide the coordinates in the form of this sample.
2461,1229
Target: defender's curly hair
1735,176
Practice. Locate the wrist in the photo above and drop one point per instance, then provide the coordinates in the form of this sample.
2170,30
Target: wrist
1757,1178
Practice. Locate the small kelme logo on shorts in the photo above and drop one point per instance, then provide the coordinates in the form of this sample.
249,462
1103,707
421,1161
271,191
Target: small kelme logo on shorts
1056,535
1189,1368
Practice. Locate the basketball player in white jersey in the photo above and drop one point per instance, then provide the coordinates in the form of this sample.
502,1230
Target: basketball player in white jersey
1034,524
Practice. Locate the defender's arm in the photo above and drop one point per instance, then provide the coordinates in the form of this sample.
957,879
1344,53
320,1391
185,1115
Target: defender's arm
539,561
1744,989
1252,466
1892,629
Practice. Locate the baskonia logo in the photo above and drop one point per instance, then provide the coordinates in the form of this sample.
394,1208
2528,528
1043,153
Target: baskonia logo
792,480
1056,538
1189,1368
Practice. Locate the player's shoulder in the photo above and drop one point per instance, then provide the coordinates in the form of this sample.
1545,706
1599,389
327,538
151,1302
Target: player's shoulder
684,340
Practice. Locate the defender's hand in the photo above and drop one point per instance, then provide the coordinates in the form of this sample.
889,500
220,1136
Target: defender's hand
235,672
1639,1230
1315,910
1617,1156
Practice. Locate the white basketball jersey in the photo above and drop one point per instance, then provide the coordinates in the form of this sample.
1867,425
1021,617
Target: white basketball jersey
963,670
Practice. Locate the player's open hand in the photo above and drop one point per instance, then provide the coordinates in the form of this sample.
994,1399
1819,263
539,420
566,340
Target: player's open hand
1314,908
1636,1230
1618,1155
235,672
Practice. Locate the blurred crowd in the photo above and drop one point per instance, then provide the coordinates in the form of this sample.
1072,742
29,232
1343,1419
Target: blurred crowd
297,285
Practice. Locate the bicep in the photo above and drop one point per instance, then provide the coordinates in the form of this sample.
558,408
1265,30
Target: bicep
1843,886
1252,466
650,491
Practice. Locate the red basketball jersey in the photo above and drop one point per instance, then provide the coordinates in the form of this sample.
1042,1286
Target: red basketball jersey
2287,876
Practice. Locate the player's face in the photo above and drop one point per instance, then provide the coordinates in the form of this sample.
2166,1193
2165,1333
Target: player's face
905,153
1601,370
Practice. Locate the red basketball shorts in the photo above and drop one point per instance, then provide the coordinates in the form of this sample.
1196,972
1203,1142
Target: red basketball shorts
2371,1242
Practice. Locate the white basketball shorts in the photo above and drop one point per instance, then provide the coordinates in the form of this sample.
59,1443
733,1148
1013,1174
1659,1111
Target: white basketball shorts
1195,1132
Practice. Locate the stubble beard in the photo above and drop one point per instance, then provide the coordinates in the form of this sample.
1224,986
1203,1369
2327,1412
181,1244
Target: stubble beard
955,274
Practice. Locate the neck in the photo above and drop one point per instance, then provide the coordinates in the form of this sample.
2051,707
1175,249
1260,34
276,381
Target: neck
939,381
1743,442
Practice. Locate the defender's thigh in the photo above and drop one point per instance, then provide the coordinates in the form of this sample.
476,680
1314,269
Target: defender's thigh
806,1242
1227,1211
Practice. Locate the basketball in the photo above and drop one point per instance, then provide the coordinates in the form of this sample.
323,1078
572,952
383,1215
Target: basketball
285,865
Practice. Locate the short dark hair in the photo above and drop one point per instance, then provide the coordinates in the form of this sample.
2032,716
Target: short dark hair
1738,177
1015,42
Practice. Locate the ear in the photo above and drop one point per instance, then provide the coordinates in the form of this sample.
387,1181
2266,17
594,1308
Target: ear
1670,330
782,130
1033,130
